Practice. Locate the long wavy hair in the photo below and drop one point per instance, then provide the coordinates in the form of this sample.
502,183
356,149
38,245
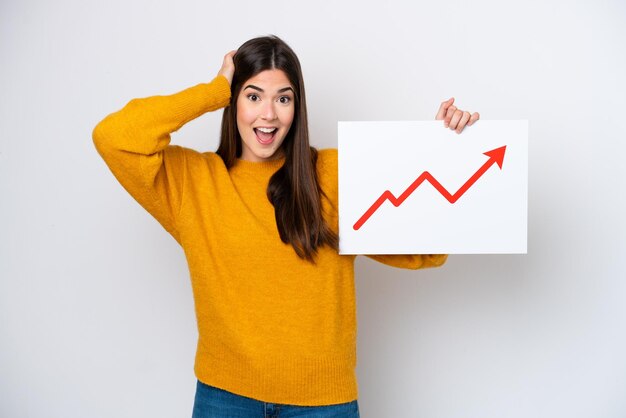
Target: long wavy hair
294,189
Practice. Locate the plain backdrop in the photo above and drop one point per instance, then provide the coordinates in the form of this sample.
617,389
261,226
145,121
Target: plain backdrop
96,310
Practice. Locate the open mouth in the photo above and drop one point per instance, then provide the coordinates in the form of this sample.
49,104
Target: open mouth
265,135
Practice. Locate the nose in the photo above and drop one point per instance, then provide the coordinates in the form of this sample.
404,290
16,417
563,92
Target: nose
268,112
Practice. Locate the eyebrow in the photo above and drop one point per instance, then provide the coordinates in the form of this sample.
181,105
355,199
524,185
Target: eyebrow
252,86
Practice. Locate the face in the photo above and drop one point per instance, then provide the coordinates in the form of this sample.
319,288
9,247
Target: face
265,110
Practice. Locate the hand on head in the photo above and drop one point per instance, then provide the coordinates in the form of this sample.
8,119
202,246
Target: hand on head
228,67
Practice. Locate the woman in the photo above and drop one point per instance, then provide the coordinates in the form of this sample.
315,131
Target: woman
257,220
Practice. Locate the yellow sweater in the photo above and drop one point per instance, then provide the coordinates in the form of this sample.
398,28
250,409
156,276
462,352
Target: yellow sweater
271,326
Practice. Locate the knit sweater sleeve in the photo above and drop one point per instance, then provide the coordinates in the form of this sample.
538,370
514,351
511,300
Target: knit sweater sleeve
328,173
134,142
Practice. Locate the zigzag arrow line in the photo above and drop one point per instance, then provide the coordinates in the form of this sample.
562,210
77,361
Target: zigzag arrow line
495,156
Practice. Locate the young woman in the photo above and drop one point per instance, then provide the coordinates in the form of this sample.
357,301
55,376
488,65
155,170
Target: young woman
258,222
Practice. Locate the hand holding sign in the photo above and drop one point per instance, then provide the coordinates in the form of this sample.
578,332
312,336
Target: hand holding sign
455,118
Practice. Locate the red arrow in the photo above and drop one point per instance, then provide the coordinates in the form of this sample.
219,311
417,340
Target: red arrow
495,156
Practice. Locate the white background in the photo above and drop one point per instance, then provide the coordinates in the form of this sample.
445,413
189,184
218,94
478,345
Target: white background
96,311
489,218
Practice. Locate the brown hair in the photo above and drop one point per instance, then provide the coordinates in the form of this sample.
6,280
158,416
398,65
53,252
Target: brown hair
294,189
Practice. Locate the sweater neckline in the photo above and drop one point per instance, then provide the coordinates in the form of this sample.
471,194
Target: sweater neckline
258,167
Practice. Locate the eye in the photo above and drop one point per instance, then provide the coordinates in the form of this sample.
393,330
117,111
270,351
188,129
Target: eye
253,97
284,99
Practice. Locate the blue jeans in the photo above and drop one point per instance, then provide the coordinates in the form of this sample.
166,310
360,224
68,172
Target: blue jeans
212,402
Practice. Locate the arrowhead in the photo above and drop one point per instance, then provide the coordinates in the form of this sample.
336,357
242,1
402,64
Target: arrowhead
496,155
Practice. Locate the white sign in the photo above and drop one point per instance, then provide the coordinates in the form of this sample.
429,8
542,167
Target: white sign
420,188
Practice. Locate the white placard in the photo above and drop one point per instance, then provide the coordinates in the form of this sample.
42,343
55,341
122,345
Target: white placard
455,193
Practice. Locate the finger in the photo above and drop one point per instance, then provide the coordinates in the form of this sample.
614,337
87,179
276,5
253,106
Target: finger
443,108
456,117
475,116
464,119
449,114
